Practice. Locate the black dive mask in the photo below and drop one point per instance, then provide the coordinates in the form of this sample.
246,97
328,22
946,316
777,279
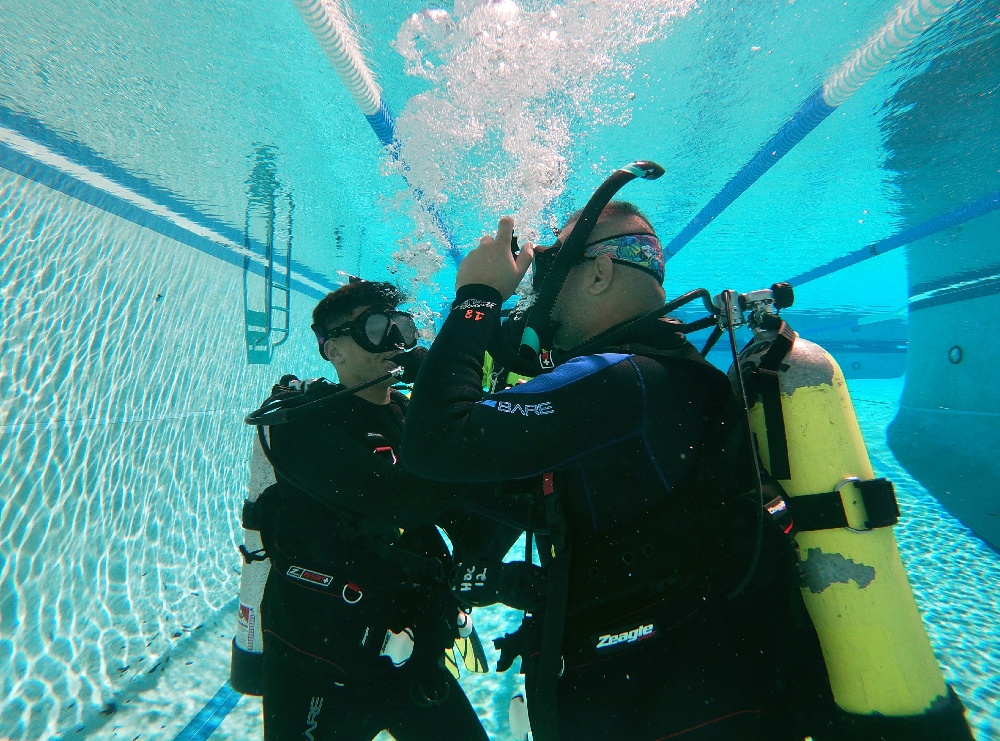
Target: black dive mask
375,330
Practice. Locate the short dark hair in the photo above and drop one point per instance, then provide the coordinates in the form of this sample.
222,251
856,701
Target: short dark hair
337,306
617,208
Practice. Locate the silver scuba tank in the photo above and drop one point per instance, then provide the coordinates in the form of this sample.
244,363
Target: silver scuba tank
246,669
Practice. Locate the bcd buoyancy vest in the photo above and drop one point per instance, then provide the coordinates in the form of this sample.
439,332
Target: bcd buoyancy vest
391,597
646,559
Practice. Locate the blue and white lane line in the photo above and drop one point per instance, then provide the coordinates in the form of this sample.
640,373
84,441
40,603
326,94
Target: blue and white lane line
910,20
328,24
383,123
31,150
210,717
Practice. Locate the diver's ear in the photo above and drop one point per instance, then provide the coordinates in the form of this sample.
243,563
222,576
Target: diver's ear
332,352
602,273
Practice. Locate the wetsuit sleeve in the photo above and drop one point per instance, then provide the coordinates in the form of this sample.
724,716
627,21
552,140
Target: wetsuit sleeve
574,416
335,469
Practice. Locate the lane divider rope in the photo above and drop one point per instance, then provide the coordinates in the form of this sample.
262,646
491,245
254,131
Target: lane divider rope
910,19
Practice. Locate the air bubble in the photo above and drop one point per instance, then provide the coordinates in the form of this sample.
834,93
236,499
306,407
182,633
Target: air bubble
512,90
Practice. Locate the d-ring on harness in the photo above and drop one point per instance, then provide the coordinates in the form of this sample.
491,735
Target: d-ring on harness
353,588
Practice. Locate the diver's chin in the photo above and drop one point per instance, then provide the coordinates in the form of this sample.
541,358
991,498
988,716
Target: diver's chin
559,339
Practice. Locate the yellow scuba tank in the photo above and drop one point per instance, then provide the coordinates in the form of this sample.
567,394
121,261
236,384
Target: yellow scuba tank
878,656
247,663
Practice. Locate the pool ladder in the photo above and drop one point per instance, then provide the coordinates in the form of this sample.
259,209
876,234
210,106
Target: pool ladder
267,329
267,316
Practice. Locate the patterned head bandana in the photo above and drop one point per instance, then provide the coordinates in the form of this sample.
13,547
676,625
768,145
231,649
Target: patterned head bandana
642,251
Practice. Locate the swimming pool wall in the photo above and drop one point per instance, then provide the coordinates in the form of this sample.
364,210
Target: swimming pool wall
123,382
947,429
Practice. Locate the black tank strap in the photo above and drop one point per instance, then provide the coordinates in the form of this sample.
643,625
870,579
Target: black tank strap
826,511
250,556
769,389
250,517
781,345
549,664
250,520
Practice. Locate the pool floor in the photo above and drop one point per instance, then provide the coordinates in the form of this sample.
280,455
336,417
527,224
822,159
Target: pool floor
950,571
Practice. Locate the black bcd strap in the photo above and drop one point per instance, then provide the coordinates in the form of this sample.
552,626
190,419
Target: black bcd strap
826,511
250,517
769,388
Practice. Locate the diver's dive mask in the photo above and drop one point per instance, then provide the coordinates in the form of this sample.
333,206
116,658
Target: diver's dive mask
378,329
640,250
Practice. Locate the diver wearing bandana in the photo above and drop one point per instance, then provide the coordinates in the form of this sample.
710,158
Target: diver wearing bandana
629,435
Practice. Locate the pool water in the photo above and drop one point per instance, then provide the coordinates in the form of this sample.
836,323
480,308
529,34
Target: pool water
154,157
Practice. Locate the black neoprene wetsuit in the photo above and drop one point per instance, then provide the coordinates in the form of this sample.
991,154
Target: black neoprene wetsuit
343,574
652,649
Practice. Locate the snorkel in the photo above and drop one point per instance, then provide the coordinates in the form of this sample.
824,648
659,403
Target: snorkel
534,354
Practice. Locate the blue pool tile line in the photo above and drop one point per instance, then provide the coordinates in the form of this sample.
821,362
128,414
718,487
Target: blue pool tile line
810,115
210,717
229,243
966,212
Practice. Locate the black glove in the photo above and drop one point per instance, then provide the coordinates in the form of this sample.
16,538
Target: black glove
523,642
410,362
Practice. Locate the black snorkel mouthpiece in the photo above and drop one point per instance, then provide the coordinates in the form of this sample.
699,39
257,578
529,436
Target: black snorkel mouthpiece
551,271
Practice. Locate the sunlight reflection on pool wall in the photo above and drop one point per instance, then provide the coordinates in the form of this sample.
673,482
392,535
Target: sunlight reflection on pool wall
123,382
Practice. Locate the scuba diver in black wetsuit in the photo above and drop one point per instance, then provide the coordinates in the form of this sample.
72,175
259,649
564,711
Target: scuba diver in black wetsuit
668,606
355,613
628,436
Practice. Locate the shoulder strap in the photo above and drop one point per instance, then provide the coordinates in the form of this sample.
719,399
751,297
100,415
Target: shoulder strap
549,662
768,387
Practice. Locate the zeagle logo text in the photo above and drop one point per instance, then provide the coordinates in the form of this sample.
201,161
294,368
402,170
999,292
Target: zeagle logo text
640,633
311,723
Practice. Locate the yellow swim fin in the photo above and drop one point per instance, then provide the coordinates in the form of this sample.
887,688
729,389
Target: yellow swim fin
468,649
451,661
471,651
